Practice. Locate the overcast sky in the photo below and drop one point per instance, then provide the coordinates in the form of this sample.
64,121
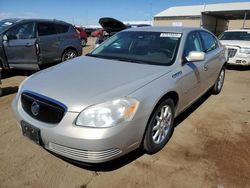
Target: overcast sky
86,12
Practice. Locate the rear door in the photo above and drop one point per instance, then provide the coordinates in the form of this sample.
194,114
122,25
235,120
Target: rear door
20,48
49,42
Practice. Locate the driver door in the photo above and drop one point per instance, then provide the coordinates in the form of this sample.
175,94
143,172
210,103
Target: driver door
20,47
193,72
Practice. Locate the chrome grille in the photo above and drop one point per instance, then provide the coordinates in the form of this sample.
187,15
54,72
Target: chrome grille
48,110
83,155
231,52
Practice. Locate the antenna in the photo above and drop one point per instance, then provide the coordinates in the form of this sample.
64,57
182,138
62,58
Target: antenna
150,13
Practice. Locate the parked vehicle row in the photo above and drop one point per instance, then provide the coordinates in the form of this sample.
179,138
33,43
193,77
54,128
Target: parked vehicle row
82,34
123,95
32,43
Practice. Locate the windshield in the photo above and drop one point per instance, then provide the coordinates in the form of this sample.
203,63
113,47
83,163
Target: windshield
4,24
157,48
235,35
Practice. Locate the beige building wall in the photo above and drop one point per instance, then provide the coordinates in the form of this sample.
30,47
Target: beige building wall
221,23
237,24
177,22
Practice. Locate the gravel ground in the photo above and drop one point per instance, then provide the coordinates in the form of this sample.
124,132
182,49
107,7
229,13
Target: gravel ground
209,148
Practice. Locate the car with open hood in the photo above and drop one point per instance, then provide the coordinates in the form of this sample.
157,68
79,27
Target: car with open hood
237,43
123,95
110,27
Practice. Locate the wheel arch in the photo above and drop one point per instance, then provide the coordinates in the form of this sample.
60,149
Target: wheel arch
170,94
69,48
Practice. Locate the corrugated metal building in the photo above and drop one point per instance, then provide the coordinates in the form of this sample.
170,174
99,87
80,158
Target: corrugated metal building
214,17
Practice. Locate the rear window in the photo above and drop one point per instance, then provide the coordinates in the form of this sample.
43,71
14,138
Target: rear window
62,28
235,35
46,29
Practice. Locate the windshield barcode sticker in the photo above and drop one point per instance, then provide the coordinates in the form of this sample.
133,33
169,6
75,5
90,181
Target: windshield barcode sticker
177,35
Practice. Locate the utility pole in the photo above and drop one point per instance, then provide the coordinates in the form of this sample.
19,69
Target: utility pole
245,17
150,13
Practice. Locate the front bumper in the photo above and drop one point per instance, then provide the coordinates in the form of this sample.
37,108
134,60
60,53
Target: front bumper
235,57
238,60
90,145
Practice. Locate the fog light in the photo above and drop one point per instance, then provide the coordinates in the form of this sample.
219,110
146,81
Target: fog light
244,62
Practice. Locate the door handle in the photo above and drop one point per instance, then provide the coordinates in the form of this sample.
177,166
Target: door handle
28,44
206,67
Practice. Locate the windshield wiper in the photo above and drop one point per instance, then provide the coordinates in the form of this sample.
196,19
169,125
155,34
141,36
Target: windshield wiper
118,58
132,60
98,56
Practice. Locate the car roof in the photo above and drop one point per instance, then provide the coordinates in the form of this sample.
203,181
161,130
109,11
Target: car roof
165,29
35,20
238,30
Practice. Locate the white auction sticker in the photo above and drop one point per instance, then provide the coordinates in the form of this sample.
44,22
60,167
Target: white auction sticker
177,35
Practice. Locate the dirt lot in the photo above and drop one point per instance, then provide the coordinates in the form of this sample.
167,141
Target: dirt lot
210,148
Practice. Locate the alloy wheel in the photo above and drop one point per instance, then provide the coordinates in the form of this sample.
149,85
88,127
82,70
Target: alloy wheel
162,124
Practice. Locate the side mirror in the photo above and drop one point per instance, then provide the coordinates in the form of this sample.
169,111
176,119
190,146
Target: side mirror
195,56
5,38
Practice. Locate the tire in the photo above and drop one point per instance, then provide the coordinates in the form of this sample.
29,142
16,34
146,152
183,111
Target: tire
163,115
1,91
219,82
69,54
83,42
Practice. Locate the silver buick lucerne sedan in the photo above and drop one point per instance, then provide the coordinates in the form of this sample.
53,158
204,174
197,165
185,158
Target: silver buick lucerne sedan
123,95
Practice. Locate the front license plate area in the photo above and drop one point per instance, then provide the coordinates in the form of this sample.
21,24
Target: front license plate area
31,132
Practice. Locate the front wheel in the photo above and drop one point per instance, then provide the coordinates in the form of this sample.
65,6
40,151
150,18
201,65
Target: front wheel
160,127
219,82
69,54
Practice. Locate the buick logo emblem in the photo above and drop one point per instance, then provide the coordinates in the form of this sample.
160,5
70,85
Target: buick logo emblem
35,108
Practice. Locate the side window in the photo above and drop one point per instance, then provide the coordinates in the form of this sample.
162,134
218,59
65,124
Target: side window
46,29
23,31
209,41
61,28
193,43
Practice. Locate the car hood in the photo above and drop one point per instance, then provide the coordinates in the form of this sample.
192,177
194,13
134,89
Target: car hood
85,81
111,25
238,43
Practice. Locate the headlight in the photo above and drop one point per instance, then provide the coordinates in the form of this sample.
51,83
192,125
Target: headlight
245,50
109,113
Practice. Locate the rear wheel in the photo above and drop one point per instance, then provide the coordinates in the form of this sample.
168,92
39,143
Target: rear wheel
219,82
160,127
69,54
83,42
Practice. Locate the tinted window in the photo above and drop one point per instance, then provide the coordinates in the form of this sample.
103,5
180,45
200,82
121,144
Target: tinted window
62,28
24,31
193,43
209,41
46,29
235,35
155,48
